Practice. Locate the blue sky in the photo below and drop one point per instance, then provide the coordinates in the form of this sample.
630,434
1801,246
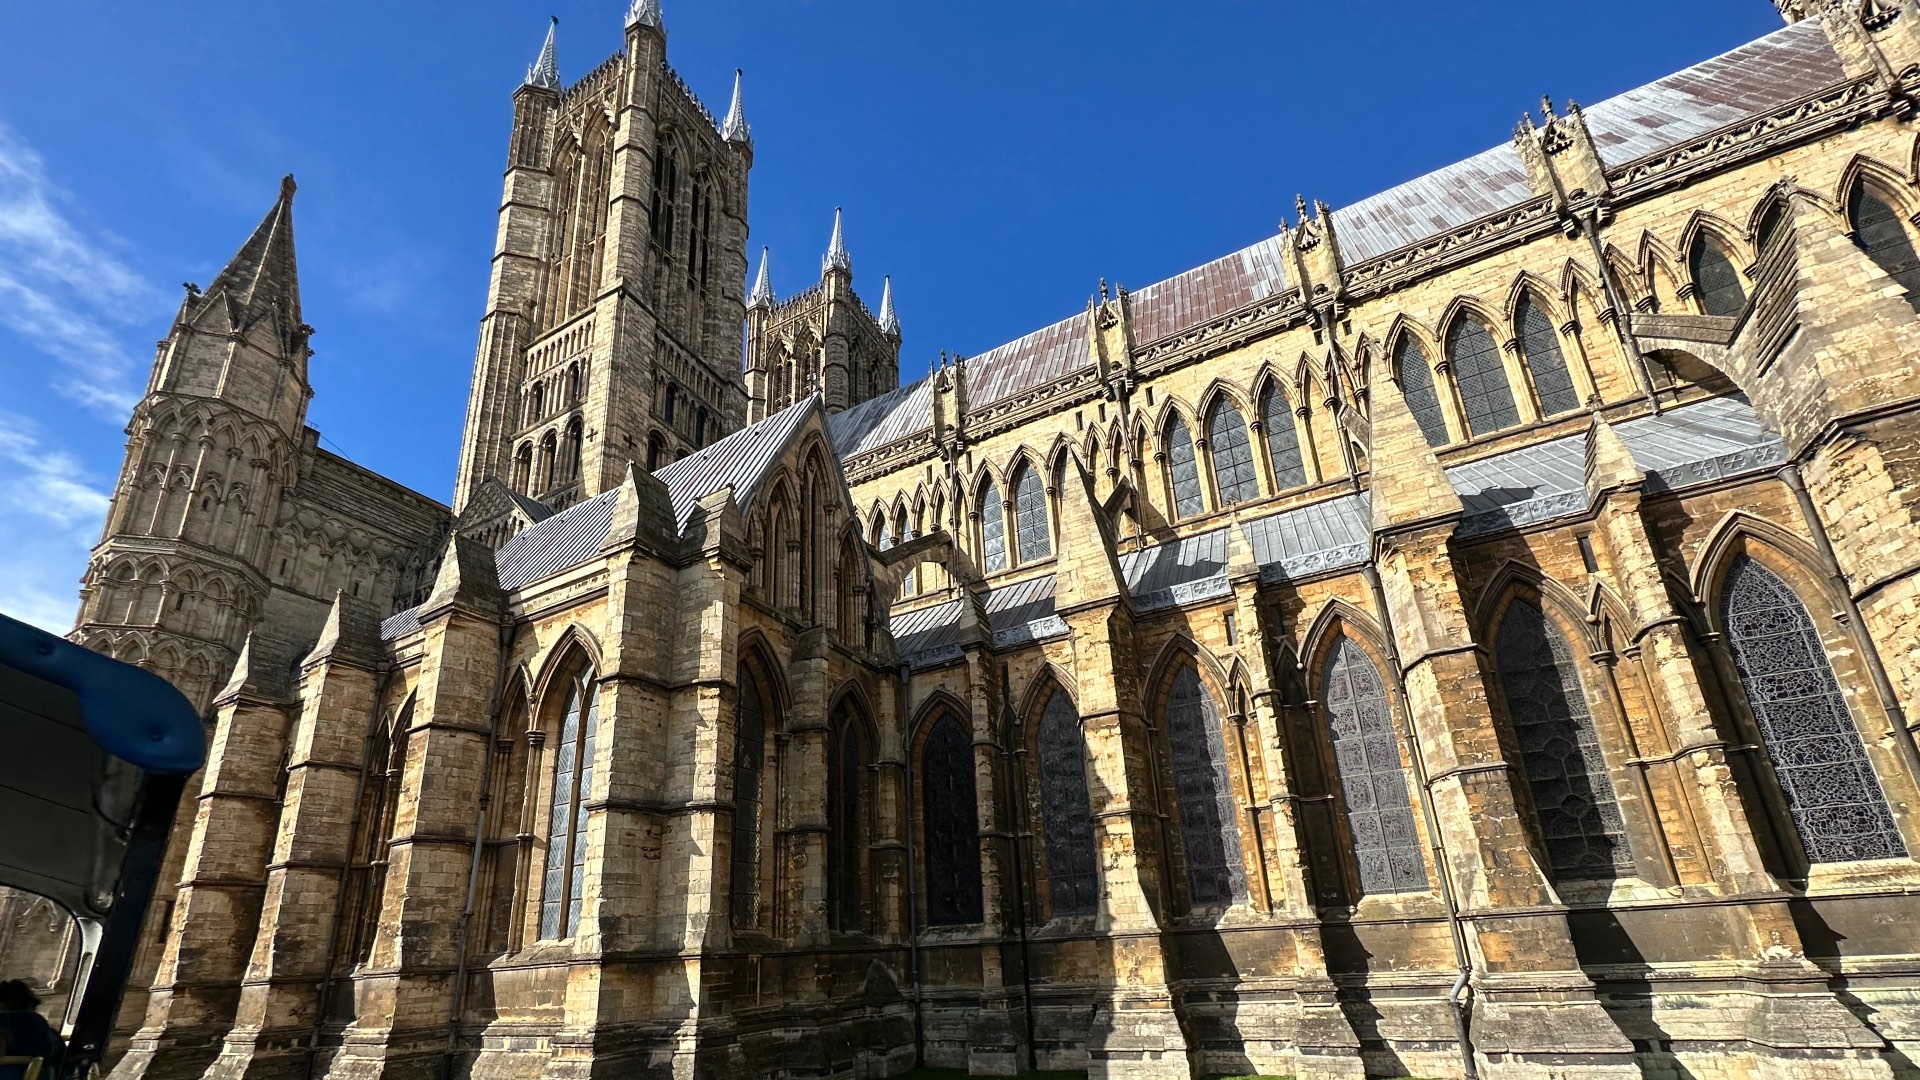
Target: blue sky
996,157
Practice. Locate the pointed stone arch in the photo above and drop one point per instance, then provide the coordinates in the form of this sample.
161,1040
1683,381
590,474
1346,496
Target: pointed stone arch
1725,542
1731,237
1468,305
575,644
1512,573
1542,294
940,700
1404,326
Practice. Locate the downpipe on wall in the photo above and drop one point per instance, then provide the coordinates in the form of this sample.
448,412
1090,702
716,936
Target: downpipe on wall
1460,995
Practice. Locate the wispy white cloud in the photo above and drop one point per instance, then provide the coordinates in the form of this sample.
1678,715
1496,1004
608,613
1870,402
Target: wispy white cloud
63,288
51,508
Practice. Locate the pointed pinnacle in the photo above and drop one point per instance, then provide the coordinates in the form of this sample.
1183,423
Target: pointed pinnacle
545,71
889,322
837,249
734,128
645,13
762,293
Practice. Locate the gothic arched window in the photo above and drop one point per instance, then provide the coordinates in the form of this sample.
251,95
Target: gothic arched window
903,528
379,806
1373,782
573,450
993,529
1066,810
1878,230
1416,385
549,456
523,469
1233,473
1485,395
1540,346
749,750
1566,772
656,451
845,847
1209,826
1715,281
1030,534
1832,794
952,823
563,884
1183,472
1283,439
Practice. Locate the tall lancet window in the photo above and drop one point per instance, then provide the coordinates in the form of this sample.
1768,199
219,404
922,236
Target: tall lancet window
1209,825
1233,473
1067,810
846,841
952,824
993,529
1715,281
1485,394
1030,515
564,880
1878,230
1373,782
903,528
1832,794
1416,385
1559,748
1283,439
1540,345
1183,472
749,750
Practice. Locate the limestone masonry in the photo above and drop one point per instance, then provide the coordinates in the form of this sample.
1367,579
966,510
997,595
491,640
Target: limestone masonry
1478,624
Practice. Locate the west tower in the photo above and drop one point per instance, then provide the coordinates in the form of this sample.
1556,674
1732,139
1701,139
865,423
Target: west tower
611,331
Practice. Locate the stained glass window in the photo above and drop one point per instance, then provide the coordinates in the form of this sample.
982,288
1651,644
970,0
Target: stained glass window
1416,385
1066,808
993,529
1183,471
563,885
1559,747
1540,344
749,749
1484,393
1883,236
952,822
1832,793
1715,281
1209,826
1030,516
1373,782
1283,440
904,530
1233,473
845,851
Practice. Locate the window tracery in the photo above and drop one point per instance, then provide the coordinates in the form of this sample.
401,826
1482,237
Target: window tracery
1183,471
952,824
1715,281
1485,395
1283,439
1879,232
1066,810
1233,472
1832,793
845,851
564,878
1030,516
749,750
1203,789
1373,781
1416,385
993,529
1540,346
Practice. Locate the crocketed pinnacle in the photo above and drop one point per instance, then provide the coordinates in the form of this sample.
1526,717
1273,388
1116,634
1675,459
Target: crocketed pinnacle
645,13
837,248
762,294
734,128
889,322
545,72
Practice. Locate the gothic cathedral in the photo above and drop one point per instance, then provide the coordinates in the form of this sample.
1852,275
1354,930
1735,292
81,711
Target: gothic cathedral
1472,631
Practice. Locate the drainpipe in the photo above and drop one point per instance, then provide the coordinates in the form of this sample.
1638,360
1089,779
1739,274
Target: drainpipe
1014,818
1909,752
1623,317
324,991
1460,995
473,860
913,895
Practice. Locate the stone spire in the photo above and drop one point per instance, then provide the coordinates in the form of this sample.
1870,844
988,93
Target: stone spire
645,13
261,277
545,72
762,294
889,322
837,249
734,128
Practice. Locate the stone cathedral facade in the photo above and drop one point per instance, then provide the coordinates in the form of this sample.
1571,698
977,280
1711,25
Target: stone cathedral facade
1475,627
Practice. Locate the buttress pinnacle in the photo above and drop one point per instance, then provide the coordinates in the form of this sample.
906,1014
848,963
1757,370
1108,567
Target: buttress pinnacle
836,258
545,72
762,293
889,322
734,128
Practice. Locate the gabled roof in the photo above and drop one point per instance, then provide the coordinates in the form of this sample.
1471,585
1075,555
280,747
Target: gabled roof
1760,76
741,460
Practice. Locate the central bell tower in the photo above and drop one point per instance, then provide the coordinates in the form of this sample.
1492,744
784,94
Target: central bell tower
612,327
